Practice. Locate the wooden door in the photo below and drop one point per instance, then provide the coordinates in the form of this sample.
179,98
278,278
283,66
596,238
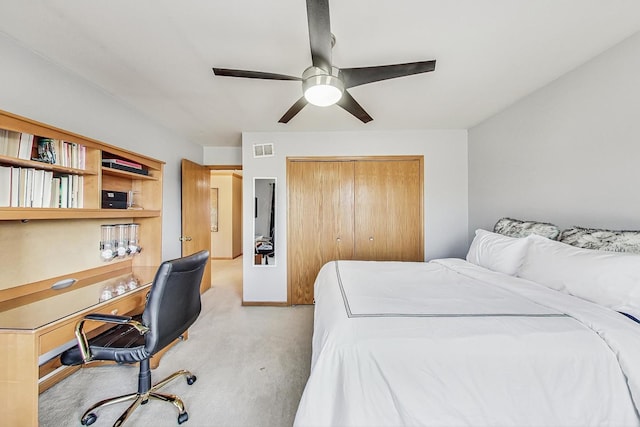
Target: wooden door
196,214
320,221
388,210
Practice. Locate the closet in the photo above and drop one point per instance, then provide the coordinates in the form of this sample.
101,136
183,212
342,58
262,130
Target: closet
363,208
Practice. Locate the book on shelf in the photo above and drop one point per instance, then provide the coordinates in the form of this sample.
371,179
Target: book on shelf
22,188
3,141
75,185
5,186
109,162
82,158
15,187
9,143
46,189
55,193
26,146
64,191
27,193
81,191
13,144
37,188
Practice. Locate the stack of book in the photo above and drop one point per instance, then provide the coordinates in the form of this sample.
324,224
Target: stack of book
36,188
55,151
62,153
125,165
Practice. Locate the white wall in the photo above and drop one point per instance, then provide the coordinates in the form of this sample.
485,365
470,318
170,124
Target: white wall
222,155
445,190
31,86
568,153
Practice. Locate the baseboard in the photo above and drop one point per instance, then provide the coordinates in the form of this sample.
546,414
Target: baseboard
266,303
228,258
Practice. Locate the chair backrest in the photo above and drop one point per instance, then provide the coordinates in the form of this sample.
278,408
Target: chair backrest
174,300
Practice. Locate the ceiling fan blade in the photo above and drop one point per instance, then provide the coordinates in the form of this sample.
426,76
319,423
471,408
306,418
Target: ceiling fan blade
252,74
351,105
358,76
295,109
319,33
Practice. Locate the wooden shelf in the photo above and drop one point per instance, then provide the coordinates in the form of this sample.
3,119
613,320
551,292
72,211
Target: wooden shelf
62,213
13,161
125,174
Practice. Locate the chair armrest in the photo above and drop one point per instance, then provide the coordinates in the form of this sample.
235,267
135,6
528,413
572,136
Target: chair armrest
107,318
83,342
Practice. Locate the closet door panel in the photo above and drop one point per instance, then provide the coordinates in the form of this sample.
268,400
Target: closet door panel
388,210
320,229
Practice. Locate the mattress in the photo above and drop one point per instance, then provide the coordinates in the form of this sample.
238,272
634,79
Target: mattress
449,343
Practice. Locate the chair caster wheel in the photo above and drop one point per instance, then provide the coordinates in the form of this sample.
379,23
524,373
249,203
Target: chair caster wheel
89,419
192,379
183,417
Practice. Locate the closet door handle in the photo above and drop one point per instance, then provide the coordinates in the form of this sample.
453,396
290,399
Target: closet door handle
338,240
371,238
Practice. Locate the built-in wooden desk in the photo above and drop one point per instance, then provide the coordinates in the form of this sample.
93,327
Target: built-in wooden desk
35,329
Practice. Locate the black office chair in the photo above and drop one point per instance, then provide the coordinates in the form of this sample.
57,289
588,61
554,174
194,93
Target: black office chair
173,304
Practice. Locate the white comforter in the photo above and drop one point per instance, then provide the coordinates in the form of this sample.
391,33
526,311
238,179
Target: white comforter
447,343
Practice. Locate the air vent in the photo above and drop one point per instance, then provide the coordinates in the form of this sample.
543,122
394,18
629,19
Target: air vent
263,150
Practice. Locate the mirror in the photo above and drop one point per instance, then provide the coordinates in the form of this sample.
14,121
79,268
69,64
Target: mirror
264,196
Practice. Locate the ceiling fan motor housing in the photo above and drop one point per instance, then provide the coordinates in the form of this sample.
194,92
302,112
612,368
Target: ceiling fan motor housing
321,88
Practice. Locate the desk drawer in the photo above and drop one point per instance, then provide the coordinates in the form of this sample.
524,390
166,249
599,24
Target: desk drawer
64,332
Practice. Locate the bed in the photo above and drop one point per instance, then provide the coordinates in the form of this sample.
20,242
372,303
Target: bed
526,331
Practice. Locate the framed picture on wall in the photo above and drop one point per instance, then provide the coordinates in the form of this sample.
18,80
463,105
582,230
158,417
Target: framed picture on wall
214,209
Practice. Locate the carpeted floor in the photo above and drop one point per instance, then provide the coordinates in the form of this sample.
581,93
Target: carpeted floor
251,362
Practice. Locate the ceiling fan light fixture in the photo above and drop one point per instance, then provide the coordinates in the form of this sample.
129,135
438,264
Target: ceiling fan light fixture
322,89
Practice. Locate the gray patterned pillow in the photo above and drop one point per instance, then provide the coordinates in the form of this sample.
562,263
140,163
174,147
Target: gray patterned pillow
517,228
604,240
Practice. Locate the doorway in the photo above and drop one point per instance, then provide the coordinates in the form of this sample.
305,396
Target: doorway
226,212
226,256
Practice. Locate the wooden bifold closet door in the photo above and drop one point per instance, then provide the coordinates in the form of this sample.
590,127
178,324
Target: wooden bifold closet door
363,208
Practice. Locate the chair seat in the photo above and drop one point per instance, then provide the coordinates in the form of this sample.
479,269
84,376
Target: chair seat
121,343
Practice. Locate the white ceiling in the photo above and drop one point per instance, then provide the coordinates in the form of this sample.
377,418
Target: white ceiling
156,56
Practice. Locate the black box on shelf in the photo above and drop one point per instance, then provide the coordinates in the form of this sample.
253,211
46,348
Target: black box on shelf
114,199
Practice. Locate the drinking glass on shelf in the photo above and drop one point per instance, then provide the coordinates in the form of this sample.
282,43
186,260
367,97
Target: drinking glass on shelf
132,282
121,287
132,196
107,293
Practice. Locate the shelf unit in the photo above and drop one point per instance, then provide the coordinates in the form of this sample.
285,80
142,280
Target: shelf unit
42,246
146,190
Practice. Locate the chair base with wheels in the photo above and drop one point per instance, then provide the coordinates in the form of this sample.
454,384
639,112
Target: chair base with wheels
141,397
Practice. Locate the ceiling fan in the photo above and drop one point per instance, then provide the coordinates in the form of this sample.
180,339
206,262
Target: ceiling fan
324,84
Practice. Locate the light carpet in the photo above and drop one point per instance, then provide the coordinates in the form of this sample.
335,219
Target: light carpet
251,362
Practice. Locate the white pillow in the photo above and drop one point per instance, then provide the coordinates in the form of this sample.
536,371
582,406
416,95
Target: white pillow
497,252
611,279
